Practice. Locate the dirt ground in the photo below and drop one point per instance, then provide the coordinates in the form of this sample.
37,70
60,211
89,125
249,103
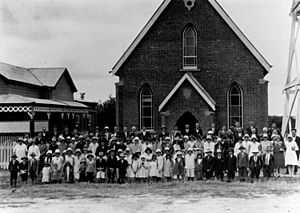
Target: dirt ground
278,195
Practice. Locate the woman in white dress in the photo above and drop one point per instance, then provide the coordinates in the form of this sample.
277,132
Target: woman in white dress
290,156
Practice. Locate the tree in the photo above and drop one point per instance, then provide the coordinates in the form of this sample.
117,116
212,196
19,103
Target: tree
106,113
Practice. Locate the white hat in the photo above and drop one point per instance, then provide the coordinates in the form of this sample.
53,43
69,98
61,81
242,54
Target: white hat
219,139
246,135
61,137
179,153
289,136
80,136
168,138
20,139
186,137
265,135
73,139
69,149
128,149
210,132
77,150
190,149
167,148
219,151
274,135
253,137
158,150
106,127
208,137
136,139
68,138
57,151
49,152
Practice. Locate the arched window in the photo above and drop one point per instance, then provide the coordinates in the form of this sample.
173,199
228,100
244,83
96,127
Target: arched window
146,108
190,48
235,105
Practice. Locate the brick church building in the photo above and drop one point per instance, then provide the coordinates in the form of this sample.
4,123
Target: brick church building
191,63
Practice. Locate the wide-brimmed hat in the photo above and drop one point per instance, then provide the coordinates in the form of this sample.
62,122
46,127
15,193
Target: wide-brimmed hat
24,157
57,151
190,149
289,136
128,149
178,153
163,127
68,137
69,150
77,150
136,139
208,137
14,156
158,151
255,151
148,149
167,149
219,151
95,138
90,154
242,147
253,137
73,139
49,152
265,135
274,136
61,137
33,154
208,150
246,136
20,139
167,139
106,127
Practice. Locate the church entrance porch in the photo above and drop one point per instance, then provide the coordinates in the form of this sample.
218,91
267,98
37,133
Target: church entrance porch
186,118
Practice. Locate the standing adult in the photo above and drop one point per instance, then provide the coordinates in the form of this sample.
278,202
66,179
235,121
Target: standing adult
20,149
291,160
297,140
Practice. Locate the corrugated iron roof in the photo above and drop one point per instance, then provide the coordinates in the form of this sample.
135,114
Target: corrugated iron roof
18,74
48,76
19,99
36,76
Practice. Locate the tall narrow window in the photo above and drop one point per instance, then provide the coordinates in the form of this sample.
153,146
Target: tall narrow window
235,105
146,105
189,48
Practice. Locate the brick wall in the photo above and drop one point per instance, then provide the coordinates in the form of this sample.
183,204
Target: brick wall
222,60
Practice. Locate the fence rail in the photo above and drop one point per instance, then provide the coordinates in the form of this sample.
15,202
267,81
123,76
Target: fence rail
7,143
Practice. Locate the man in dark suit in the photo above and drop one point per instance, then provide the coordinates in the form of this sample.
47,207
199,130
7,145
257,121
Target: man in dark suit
268,163
45,135
198,131
186,131
250,127
124,134
133,132
230,164
54,134
297,140
163,134
255,164
144,134
208,164
243,163
33,167
13,168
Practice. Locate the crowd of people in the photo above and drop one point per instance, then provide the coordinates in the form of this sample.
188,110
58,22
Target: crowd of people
144,157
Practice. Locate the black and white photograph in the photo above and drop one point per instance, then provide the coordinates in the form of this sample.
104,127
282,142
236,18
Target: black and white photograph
141,106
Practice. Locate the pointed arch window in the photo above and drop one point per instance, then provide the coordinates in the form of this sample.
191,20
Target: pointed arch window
146,108
190,48
235,105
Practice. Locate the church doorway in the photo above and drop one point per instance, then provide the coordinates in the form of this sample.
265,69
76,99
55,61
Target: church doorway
186,118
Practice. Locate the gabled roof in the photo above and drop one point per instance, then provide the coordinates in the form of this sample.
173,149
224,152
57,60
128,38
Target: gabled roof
19,74
199,88
50,76
35,76
222,13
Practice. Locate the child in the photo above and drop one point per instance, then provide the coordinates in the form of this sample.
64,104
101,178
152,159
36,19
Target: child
111,163
134,166
230,165
168,168
160,164
268,163
77,159
101,168
122,168
190,164
179,167
33,167
208,164
13,168
242,164
255,165
219,165
129,172
142,172
24,170
90,168
69,166
82,169
46,173
57,165
153,169
199,167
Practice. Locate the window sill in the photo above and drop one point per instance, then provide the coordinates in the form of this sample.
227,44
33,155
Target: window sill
189,70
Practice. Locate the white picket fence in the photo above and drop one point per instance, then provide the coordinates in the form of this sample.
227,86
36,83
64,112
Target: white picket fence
6,150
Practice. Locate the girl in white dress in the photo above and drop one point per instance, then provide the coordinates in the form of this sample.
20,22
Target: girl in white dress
77,159
135,165
153,168
129,171
290,155
143,173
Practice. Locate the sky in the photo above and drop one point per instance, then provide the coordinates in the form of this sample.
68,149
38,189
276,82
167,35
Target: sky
88,37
